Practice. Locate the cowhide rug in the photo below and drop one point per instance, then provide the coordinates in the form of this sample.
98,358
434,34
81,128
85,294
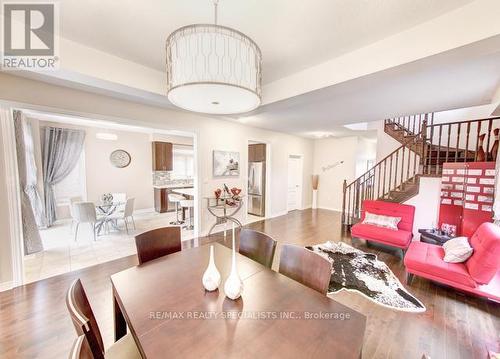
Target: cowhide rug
355,270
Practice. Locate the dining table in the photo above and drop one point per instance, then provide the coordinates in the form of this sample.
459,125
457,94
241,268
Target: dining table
170,314
105,210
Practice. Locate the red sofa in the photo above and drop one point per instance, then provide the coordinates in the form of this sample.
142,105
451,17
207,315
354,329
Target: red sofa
400,238
479,275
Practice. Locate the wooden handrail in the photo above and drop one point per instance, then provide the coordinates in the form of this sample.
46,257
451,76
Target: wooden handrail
466,122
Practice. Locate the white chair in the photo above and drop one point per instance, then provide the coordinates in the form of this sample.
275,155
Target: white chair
126,214
120,197
189,205
176,198
85,213
72,202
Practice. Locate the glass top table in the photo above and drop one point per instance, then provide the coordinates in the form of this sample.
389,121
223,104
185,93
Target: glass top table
224,209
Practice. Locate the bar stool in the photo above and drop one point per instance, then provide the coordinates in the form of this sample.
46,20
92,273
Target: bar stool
189,204
176,198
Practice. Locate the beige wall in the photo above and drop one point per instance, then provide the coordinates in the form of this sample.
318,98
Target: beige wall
176,140
5,247
212,134
327,152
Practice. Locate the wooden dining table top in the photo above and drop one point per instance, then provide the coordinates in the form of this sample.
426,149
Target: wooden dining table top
171,315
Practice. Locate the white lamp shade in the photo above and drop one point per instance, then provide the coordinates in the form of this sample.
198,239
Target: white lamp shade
214,98
213,69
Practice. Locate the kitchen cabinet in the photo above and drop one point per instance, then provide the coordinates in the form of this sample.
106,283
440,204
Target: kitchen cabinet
257,152
161,200
162,156
162,204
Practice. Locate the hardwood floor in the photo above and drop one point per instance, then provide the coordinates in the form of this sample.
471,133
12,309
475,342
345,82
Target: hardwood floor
34,322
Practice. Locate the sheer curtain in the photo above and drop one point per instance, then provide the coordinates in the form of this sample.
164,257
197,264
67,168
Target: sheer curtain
31,206
61,148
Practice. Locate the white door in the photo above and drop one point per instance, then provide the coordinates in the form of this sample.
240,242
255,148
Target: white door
294,182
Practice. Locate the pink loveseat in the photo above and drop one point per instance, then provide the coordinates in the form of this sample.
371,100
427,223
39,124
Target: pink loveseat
479,275
400,238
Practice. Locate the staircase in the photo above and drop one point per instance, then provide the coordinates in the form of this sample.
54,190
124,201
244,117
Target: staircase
425,147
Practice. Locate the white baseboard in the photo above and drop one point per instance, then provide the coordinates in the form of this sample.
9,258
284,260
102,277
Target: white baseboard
330,208
6,286
279,214
144,210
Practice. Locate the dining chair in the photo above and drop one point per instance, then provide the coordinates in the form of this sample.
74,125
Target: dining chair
85,324
72,211
158,243
257,246
127,214
306,267
81,349
85,213
120,197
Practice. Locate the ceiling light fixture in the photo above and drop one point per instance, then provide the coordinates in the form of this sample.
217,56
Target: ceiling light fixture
106,136
213,69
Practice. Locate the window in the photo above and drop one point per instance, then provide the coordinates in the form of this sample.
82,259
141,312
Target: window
73,185
183,162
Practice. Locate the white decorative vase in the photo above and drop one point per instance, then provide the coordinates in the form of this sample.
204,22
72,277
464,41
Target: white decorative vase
211,278
233,286
315,199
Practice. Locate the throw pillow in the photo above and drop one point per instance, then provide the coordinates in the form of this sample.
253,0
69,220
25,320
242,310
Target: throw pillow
380,220
457,250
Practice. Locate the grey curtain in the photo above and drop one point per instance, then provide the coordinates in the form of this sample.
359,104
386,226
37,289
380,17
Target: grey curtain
61,148
31,235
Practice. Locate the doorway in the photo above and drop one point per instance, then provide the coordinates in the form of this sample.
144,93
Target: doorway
65,244
257,179
295,166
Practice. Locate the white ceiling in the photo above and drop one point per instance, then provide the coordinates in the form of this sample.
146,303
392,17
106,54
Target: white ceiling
293,34
463,77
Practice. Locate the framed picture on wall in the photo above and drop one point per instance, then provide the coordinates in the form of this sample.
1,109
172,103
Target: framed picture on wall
226,164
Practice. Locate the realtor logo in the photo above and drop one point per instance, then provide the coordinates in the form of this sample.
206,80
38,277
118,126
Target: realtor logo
29,36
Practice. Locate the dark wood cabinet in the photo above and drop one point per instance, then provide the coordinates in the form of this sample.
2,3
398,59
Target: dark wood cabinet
161,200
162,156
257,152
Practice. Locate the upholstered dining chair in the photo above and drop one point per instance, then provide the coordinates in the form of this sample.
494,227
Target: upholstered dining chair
85,324
257,246
85,213
306,267
72,210
158,243
120,197
127,214
81,349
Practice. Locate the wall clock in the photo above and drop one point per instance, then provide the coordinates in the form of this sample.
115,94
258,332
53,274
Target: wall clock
120,158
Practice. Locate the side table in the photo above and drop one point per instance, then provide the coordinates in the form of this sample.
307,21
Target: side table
433,236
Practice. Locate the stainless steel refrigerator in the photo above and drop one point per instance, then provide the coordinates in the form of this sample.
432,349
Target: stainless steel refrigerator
256,188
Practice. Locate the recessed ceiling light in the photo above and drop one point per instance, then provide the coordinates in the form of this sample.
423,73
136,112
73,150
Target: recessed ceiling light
215,102
106,136
321,134
360,126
